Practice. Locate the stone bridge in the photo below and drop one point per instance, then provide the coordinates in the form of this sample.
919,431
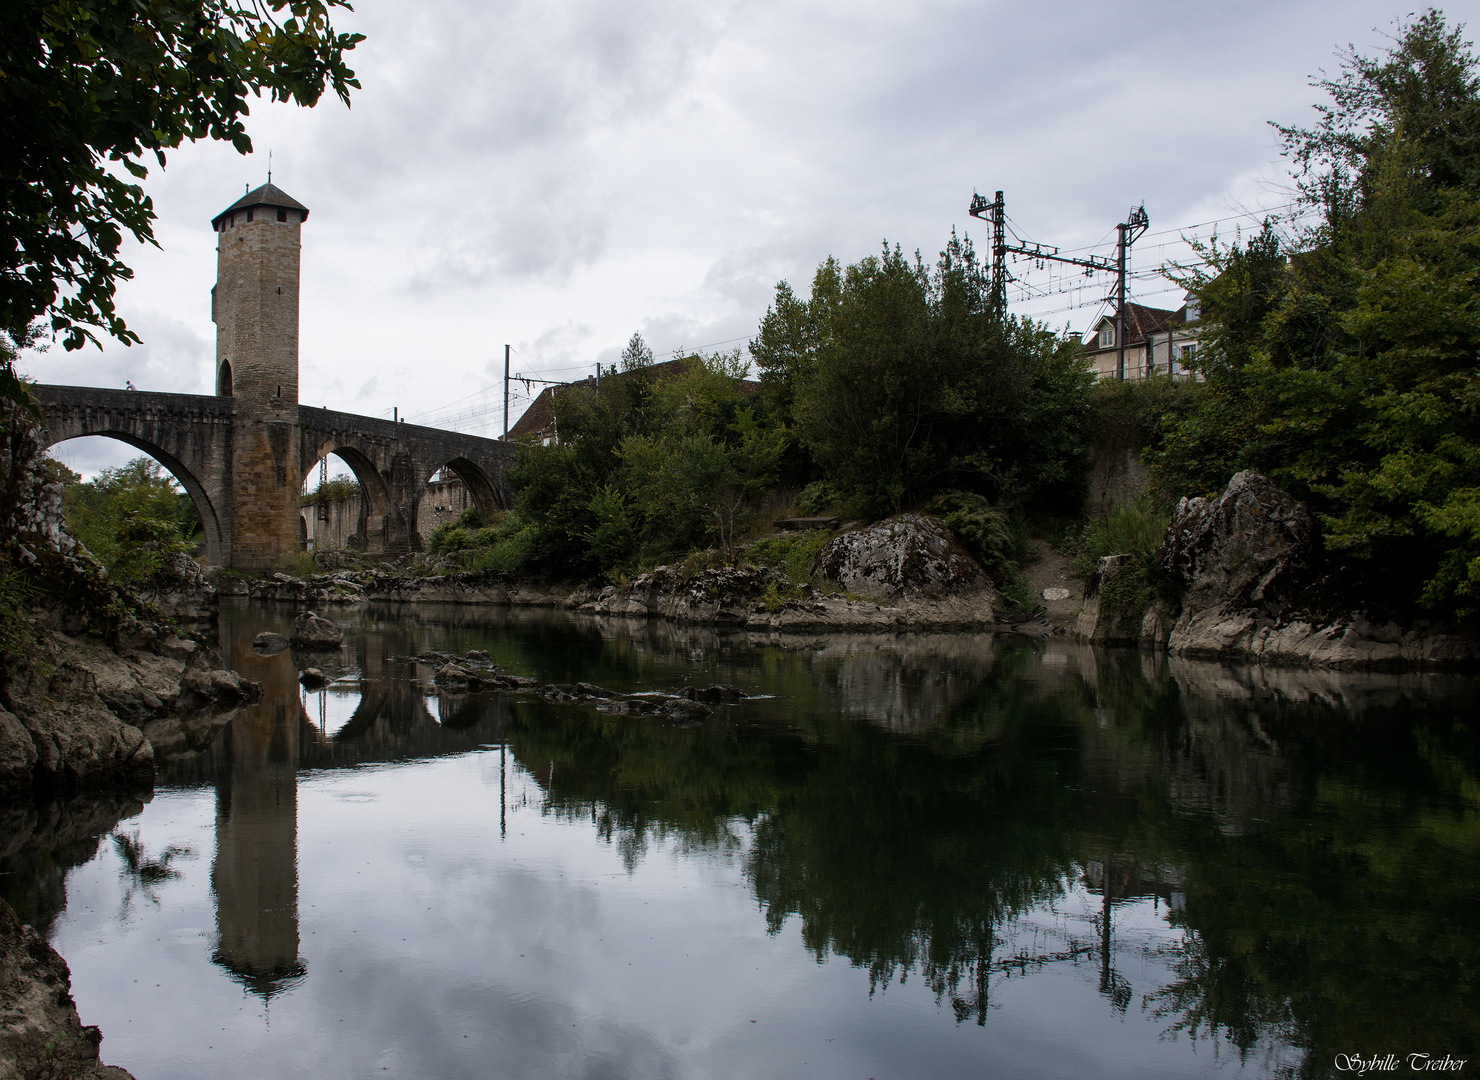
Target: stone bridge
198,439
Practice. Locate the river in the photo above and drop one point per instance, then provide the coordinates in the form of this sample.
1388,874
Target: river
932,855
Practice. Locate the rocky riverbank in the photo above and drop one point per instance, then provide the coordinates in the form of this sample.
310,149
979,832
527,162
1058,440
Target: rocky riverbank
1243,571
41,1034
904,573
1233,583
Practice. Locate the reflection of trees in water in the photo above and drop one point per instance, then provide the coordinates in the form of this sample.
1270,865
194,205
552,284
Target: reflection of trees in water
1350,926
1277,839
144,874
1298,824
41,842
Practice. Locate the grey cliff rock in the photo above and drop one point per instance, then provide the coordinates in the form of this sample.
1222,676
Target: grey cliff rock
907,556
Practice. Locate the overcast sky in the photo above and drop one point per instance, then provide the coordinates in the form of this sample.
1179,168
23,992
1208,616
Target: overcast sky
558,174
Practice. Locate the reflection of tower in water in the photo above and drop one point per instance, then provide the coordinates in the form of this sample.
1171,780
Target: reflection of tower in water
255,876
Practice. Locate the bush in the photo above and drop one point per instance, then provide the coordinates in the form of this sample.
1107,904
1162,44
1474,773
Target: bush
1135,527
818,497
16,596
791,553
999,541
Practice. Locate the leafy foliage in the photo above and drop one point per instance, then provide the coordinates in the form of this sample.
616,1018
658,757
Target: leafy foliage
901,382
1343,362
130,518
998,540
792,553
658,460
333,490
86,87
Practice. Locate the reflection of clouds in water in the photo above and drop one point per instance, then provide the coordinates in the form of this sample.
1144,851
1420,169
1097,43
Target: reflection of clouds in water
331,708
434,706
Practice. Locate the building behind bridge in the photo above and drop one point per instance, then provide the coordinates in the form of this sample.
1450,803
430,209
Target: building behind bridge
337,523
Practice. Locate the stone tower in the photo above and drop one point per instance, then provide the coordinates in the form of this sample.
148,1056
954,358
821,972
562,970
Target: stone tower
255,308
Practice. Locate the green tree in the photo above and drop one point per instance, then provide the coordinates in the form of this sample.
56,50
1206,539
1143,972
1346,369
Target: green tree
88,90
637,354
645,467
901,382
1343,362
130,518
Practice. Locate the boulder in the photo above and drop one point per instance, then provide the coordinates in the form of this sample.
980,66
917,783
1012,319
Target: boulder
313,679
907,556
451,678
312,632
684,709
228,686
17,753
269,644
1250,548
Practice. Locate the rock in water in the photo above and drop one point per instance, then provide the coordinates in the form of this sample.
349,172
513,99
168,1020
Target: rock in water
313,679
626,707
713,695
310,631
684,709
269,644
906,556
451,678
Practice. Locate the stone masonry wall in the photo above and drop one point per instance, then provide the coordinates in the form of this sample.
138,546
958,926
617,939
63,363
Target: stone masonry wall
256,311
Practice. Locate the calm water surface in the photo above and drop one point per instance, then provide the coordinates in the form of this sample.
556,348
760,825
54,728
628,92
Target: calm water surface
924,856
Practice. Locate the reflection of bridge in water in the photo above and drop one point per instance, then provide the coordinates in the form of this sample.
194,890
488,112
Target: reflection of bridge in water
255,764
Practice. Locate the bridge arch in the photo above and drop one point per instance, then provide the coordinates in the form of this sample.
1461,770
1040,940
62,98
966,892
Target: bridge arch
488,494
210,520
375,501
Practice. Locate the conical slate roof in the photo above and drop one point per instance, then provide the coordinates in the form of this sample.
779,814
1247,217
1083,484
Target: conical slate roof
268,194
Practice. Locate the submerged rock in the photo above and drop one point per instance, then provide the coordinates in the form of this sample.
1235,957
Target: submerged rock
269,644
714,694
581,691
313,632
627,707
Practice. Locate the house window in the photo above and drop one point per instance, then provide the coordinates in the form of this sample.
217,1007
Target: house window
282,215
1107,335
249,215
1194,310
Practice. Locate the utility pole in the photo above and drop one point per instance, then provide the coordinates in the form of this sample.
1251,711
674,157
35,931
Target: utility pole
995,213
1129,231
506,393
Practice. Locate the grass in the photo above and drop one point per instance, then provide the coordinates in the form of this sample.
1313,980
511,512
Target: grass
791,553
1135,528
